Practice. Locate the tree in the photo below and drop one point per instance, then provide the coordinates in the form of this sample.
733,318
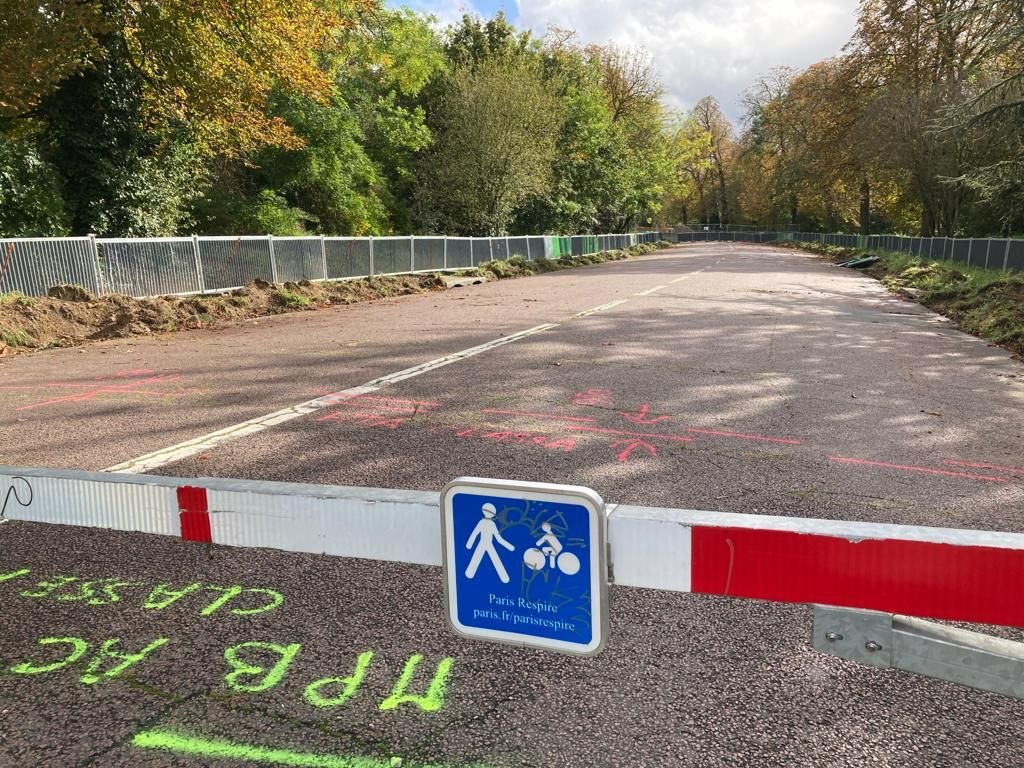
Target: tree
708,116
496,143
628,79
45,42
31,203
997,178
918,58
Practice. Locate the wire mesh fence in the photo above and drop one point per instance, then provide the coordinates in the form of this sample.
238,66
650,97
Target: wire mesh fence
32,266
190,265
1003,254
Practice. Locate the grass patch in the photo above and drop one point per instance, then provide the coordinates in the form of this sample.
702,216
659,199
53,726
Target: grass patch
15,337
292,299
17,299
517,266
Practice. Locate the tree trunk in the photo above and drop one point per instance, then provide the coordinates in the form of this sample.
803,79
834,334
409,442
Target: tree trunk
793,212
865,207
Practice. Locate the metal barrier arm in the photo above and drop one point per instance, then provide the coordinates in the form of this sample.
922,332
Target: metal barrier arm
922,647
939,573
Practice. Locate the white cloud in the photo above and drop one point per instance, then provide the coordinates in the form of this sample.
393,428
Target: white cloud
700,47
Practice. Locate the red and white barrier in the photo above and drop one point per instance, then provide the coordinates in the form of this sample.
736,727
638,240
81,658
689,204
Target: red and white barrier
937,573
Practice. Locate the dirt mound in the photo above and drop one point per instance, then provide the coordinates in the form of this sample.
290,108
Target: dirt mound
70,315
70,293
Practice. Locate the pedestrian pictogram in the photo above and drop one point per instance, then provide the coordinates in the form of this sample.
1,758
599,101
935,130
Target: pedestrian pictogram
525,564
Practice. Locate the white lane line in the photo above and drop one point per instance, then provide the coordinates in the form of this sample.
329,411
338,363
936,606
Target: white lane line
650,290
601,308
205,442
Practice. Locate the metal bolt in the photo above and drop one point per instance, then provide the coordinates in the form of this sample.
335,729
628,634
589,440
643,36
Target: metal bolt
833,636
872,646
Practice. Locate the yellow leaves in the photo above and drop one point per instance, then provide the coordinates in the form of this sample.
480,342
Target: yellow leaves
44,42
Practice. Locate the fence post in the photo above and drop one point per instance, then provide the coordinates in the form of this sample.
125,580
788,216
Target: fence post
970,247
199,263
412,253
490,247
97,273
323,254
988,250
528,256
273,260
371,256
445,262
1006,256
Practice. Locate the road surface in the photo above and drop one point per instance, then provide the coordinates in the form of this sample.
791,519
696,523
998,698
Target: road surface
721,376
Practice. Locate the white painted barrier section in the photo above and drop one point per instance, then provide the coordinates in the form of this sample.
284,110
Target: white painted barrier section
913,570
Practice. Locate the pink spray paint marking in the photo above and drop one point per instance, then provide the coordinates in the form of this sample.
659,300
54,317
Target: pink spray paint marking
598,397
641,416
925,470
981,465
631,445
641,435
541,439
363,419
553,416
128,388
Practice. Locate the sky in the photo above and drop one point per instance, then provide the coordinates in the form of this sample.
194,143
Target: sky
698,47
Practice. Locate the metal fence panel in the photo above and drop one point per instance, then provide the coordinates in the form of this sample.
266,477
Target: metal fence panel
298,258
391,255
481,250
347,257
460,252
535,244
1014,256
154,267
518,246
231,262
960,250
499,248
428,253
34,265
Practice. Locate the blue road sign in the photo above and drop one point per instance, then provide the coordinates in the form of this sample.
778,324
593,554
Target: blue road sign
525,563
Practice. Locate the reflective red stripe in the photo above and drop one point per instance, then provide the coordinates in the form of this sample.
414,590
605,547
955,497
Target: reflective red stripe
195,514
931,580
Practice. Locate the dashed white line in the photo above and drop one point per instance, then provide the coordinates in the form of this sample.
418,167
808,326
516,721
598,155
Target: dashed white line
649,291
602,308
204,443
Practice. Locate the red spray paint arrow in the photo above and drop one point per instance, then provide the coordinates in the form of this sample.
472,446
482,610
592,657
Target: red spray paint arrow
632,445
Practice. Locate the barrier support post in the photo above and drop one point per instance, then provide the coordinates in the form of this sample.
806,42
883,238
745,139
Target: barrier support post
923,647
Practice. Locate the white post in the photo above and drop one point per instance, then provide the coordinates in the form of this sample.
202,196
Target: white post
371,255
412,253
970,247
273,261
323,254
528,256
988,250
490,247
445,262
98,275
1006,257
508,247
199,263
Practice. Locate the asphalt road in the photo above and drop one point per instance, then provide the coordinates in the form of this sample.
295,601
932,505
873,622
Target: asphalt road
730,377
